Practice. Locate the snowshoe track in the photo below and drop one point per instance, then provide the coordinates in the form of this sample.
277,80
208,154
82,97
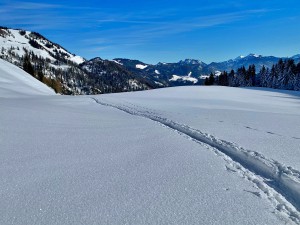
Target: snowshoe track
279,183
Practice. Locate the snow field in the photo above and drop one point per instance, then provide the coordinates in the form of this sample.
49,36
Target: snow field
68,160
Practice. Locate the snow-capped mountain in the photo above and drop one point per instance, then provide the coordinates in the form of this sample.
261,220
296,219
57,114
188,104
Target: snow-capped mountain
192,71
20,42
191,62
51,63
63,71
233,64
251,55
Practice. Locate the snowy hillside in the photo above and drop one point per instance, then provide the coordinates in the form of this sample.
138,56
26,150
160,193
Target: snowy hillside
50,62
189,155
19,42
16,82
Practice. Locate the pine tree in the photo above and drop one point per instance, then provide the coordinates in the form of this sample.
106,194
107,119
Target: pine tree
297,82
27,65
211,79
241,77
263,77
251,75
206,82
290,73
231,78
272,78
40,76
223,79
297,78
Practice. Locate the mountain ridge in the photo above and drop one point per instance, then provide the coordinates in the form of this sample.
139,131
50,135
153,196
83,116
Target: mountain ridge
197,69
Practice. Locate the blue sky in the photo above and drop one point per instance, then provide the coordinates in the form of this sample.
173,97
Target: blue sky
162,31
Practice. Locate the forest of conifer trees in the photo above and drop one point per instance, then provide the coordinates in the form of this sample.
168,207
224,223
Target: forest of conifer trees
283,75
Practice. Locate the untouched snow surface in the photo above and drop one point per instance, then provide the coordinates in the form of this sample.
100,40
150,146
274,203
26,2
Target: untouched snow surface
14,82
153,157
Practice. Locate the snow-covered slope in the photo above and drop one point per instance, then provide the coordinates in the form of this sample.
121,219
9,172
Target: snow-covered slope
15,82
47,58
19,42
140,66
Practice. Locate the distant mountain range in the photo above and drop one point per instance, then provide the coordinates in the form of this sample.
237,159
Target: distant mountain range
191,71
80,76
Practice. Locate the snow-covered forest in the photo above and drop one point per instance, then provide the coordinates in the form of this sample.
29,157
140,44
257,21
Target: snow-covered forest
283,75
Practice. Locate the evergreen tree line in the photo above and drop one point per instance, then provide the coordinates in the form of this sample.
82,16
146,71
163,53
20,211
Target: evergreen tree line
38,74
283,75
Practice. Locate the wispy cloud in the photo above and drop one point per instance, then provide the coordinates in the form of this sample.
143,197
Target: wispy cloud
147,31
160,22
32,6
97,49
29,14
95,40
